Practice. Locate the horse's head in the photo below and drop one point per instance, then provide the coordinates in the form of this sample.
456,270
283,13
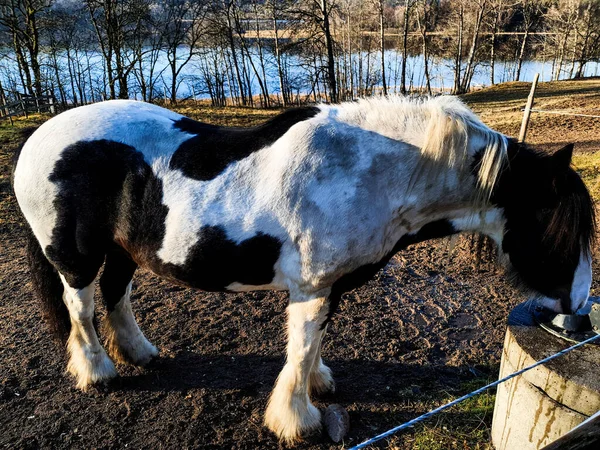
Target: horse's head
550,225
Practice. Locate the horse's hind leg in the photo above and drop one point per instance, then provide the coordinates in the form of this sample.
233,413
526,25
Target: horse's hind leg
124,339
88,362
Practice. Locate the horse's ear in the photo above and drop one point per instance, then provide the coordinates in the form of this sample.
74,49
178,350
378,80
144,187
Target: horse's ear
562,158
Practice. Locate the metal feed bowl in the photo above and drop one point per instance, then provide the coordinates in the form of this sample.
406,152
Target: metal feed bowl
572,327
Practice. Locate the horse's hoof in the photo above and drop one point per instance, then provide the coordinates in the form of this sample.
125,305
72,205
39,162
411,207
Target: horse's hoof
139,352
91,370
292,427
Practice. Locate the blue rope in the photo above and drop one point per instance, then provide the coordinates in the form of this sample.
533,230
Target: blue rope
426,416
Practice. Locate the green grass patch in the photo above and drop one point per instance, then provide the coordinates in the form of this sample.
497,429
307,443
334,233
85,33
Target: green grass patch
464,426
588,166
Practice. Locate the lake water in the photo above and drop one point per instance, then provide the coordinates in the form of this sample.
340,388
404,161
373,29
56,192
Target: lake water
441,72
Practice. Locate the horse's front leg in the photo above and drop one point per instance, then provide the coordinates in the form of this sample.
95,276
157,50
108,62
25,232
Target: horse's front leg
320,380
290,414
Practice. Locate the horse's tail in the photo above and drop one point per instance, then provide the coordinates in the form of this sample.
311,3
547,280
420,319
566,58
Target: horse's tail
46,283
48,289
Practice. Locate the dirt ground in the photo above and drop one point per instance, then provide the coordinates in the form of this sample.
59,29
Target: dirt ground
428,326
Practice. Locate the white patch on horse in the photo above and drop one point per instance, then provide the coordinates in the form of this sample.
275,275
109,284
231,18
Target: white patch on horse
489,222
124,339
582,282
88,362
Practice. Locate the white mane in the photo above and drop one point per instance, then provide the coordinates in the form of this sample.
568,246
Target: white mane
445,130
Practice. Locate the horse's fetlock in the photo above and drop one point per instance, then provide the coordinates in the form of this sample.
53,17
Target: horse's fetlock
320,381
293,418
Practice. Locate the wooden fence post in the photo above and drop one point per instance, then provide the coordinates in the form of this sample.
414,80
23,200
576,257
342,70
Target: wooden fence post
23,105
527,112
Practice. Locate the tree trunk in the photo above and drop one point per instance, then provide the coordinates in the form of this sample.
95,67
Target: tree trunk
330,56
173,64
497,13
422,23
522,54
33,46
382,45
466,81
459,49
284,97
234,56
404,47
23,65
262,60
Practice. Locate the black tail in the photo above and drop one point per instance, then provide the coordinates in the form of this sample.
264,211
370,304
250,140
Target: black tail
48,289
46,282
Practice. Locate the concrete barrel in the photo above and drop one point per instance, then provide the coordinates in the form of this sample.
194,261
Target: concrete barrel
543,404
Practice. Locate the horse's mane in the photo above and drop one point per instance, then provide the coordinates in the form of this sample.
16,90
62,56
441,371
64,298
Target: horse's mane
441,127
573,222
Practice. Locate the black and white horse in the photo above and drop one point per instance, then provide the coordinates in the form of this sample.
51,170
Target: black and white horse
314,201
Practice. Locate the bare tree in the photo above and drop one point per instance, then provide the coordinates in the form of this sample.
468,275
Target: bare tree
589,32
480,8
460,20
407,6
324,7
119,26
423,17
531,11
22,19
182,28
500,13
380,10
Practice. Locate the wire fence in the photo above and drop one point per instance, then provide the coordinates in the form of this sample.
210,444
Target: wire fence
429,414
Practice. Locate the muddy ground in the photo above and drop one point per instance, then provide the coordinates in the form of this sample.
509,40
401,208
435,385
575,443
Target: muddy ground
429,324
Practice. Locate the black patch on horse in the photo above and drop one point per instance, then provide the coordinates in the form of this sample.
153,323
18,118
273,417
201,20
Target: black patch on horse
216,261
207,154
118,272
93,178
549,218
360,276
108,198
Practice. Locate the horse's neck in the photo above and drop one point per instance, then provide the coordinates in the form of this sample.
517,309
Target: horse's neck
458,207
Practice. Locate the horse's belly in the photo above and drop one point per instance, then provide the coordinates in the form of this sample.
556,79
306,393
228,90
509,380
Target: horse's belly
216,262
